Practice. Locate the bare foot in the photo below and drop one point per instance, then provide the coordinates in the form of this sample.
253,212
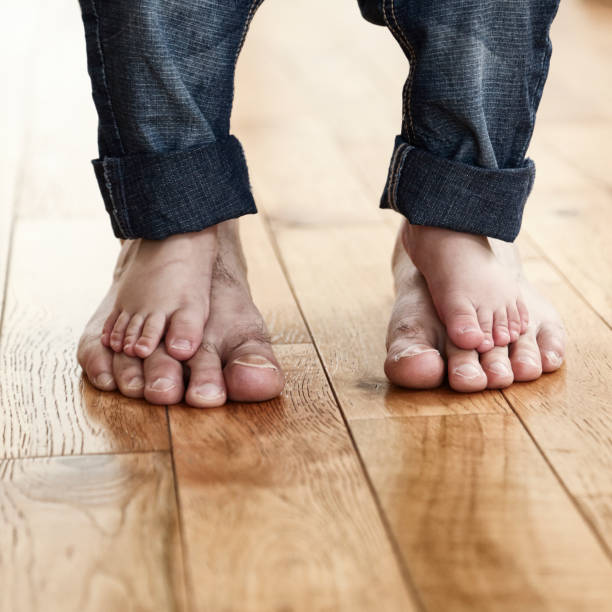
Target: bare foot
234,359
162,288
478,299
421,352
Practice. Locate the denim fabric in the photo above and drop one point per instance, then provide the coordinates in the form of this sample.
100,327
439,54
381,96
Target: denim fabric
477,70
162,74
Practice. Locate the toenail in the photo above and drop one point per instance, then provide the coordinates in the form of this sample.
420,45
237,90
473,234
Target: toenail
498,367
553,357
162,384
182,345
135,383
467,370
468,330
528,360
209,391
255,361
103,380
413,351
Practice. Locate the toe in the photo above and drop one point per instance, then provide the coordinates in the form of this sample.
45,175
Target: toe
132,333
109,323
485,320
514,322
152,332
163,378
551,342
413,361
501,333
128,372
525,357
252,373
97,363
184,334
464,370
206,387
118,333
523,315
461,324
496,365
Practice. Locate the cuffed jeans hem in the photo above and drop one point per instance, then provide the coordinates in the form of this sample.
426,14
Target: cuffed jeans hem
438,192
154,196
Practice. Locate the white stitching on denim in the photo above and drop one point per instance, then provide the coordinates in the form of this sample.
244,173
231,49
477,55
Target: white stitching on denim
391,180
109,188
407,91
405,150
104,80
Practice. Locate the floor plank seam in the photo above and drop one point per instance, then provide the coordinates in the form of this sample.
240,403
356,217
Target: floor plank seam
409,582
94,454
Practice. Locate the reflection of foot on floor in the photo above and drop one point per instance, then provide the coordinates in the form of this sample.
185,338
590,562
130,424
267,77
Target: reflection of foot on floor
477,297
418,343
234,359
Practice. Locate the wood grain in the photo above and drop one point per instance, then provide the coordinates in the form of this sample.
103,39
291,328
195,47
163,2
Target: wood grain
90,534
277,514
46,407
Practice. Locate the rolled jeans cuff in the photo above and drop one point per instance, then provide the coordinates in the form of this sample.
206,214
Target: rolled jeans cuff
439,192
156,195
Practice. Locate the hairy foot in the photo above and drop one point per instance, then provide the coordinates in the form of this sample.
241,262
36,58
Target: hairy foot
478,299
421,351
233,360
162,288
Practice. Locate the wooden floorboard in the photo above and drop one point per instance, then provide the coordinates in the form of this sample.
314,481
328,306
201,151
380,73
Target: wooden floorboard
90,533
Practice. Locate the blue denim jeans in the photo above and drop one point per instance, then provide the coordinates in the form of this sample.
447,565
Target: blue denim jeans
162,74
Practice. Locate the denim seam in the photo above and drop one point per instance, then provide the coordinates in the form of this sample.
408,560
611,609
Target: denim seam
109,189
391,177
404,149
103,73
405,44
255,4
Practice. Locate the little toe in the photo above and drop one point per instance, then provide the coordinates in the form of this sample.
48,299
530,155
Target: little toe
525,357
523,315
107,329
163,378
485,320
551,342
252,373
206,387
464,370
97,363
496,365
413,361
128,372
514,322
501,333
184,334
152,332
462,326
132,333
118,333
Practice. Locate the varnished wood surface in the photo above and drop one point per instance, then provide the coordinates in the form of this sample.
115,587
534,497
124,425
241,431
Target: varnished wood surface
345,493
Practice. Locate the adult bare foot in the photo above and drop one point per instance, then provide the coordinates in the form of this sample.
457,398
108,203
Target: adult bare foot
418,343
478,299
234,360
162,289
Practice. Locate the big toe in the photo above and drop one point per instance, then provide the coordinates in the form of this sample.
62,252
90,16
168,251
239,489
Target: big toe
185,332
252,373
462,325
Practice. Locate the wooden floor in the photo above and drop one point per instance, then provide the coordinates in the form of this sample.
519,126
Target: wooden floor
345,493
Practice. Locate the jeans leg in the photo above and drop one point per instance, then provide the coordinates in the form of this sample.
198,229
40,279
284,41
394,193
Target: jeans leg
162,75
477,70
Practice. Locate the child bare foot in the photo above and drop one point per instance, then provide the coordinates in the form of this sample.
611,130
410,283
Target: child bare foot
234,360
421,353
162,288
478,299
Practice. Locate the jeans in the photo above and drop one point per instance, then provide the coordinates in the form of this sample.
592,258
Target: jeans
162,75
